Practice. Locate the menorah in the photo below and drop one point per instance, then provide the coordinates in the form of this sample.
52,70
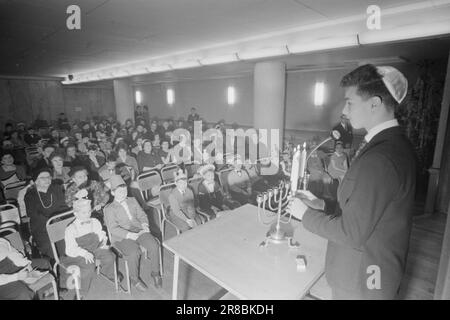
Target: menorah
272,203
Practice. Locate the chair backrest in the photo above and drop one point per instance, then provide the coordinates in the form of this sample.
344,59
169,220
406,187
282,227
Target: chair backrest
11,190
147,181
56,227
167,173
223,179
9,212
164,192
10,232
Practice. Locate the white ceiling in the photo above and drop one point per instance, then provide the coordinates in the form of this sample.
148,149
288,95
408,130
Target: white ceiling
35,40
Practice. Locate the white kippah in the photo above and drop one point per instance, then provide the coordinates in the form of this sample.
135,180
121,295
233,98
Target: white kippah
394,81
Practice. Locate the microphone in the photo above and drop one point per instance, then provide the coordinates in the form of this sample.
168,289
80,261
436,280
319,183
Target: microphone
334,135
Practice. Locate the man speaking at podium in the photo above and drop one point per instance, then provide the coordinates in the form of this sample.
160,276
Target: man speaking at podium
368,234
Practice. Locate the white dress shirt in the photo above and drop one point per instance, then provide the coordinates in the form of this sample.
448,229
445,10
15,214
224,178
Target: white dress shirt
7,251
380,127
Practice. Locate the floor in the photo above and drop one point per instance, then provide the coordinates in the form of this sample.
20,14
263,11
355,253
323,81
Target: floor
419,282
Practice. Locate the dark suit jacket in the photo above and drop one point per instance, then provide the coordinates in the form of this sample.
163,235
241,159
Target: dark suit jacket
373,221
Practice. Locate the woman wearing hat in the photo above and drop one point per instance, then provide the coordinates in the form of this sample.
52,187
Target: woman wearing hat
42,201
82,187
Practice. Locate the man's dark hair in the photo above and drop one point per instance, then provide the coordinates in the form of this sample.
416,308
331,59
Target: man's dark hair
369,83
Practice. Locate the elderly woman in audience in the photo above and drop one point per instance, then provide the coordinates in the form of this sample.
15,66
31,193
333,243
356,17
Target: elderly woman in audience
60,173
82,187
182,204
85,242
43,200
8,169
148,158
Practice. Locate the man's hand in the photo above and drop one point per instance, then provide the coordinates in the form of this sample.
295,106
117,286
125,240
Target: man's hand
98,207
22,274
145,228
191,223
89,258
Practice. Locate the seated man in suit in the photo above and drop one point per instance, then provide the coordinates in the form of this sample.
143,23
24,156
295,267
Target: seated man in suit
86,242
182,205
129,228
239,183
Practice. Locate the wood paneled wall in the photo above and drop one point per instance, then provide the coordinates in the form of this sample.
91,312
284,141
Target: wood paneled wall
25,100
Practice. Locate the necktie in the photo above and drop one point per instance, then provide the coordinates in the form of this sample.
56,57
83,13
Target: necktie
360,148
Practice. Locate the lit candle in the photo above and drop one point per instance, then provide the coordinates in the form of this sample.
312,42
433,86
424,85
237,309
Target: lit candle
303,161
295,169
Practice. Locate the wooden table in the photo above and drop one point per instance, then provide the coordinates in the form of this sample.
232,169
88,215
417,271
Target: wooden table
227,251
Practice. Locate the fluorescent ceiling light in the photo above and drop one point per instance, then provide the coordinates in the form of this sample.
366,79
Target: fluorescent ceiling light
138,97
263,53
231,95
219,59
319,92
405,32
170,94
323,44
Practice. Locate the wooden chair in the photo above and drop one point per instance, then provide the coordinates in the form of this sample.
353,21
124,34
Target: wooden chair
9,231
56,227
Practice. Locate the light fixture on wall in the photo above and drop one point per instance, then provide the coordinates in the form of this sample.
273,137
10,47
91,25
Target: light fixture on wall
170,94
231,95
138,97
319,92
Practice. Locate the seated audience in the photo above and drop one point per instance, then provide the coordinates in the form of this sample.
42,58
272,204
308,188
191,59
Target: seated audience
45,162
129,161
72,158
82,187
182,204
60,173
129,228
42,201
147,158
85,242
10,172
31,137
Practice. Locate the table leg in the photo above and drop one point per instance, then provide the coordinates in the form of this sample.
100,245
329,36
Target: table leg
176,264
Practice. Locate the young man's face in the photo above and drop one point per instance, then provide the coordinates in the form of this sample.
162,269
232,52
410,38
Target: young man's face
71,152
122,153
111,165
339,148
356,109
57,162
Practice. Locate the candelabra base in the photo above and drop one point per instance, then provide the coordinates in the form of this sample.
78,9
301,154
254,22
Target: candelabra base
278,236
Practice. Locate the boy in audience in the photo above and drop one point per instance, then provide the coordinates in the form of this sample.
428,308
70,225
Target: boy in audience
129,228
182,204
85,243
